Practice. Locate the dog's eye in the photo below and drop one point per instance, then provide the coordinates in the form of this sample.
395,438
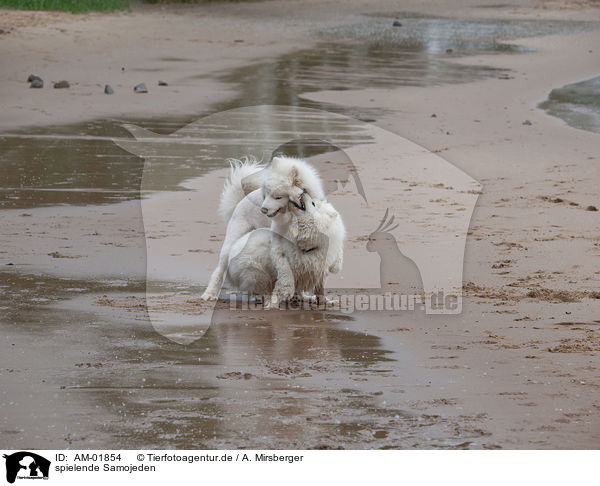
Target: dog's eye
278,197
313,203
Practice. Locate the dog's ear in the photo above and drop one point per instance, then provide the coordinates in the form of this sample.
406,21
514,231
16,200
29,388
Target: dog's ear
295,177
252,182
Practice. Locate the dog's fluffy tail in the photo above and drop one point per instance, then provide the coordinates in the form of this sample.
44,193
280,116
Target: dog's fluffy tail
239,184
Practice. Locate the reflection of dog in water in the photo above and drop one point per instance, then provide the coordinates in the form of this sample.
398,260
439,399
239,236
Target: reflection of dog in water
26,461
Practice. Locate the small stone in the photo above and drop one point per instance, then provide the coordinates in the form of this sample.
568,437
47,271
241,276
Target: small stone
449,51
527,122
62,84
33,77
140,88
397,23
238,40
591,208
433,115
1,31
108,89
163,83
37,83
9,264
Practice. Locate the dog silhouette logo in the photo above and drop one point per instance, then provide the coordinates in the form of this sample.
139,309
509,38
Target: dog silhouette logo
27,465
417,249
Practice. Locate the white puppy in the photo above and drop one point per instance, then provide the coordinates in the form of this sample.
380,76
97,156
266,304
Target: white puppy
269,191
294,257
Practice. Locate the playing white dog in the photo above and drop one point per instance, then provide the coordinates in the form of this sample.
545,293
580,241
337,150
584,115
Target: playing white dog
271,189
294,257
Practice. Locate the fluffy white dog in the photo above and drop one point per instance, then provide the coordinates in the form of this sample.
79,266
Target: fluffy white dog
252,195
294,257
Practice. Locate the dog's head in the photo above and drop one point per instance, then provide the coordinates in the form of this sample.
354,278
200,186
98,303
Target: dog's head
321,212
281,187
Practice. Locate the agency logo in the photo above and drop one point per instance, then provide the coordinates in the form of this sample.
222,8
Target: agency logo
26,465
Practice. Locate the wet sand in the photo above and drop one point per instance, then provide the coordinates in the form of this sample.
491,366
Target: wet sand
83,367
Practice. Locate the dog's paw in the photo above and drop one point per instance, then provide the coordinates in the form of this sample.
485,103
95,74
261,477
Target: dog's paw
321,300
332,302
308,297
272,303
209,296
284,292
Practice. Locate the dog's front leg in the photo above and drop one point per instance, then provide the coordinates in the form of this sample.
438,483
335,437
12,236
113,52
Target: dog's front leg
321,299
214,285
235,230
320,293
216,279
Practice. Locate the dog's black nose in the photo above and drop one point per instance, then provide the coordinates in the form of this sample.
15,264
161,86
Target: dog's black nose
264,210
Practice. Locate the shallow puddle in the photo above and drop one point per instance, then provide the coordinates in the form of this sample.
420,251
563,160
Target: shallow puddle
79,164
78,373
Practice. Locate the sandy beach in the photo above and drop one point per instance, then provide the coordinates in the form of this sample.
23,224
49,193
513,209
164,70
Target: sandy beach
82,365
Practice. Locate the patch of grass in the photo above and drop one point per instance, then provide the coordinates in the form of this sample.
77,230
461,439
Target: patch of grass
73,6
199,1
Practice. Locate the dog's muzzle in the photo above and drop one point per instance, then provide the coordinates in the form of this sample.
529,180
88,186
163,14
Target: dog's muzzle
300,204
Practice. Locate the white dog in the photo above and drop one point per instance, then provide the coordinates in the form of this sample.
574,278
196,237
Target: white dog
294,257
269,188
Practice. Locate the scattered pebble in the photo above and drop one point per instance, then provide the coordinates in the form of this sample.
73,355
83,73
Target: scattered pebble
238,40
591,208
1,31
108,89
163,83
37,83
140,88
33,77
527,122
449,51
397,23
433,115
62,84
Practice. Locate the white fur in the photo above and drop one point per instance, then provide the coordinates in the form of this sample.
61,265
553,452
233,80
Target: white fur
234,189
294,257
287,180
269,190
